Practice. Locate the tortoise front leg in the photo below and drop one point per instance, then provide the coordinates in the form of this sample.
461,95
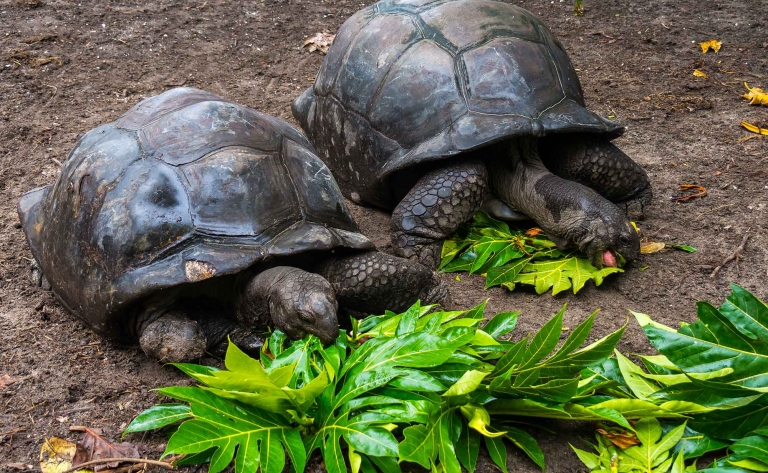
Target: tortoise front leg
372,282
570,213
434,208
599,164
183,334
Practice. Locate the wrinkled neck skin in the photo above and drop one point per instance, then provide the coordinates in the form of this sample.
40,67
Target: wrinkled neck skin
572,215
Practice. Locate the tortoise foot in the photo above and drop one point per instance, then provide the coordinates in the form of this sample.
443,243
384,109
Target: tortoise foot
635,207
173,338
422,250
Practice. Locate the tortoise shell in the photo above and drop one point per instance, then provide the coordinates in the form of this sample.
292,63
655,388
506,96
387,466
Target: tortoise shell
184,187
408,82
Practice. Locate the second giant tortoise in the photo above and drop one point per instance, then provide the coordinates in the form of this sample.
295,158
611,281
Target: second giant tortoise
436,108
191,218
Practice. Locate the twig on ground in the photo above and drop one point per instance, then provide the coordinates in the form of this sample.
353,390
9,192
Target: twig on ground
101,461
734,256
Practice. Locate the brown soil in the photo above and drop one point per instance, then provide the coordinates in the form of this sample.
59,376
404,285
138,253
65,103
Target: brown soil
68,67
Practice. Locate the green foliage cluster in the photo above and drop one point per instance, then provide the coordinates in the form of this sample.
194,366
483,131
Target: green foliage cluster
430,387
715,372
411,387
509,257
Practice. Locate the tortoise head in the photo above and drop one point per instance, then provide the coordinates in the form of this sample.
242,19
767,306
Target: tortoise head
610,237
305,303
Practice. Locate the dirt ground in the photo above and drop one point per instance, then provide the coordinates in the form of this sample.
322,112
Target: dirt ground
68,67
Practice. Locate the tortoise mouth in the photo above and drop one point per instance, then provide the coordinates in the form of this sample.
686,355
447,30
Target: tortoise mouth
609,259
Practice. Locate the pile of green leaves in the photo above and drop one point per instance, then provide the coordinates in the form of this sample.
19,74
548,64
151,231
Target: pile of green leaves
714,372
509,257
411,387
429,387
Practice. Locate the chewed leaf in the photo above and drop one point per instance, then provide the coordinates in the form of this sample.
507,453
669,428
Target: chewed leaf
698,73
507,257
713,44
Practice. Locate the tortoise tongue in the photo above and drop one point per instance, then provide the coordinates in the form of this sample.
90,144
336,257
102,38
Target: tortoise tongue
609,259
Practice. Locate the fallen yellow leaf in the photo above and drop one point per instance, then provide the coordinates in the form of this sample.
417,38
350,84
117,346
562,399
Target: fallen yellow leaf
757,96
755,129
698,73
56,456
652,247
712,43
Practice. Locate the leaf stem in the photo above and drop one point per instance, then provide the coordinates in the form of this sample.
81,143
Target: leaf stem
101,461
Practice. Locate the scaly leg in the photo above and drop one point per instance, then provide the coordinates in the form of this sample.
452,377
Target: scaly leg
372,282
435,207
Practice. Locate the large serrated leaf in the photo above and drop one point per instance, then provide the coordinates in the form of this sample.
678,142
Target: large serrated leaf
722,338
251,437
562,274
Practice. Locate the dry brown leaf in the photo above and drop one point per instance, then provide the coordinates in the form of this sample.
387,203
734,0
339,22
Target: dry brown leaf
756,96
755,129
621,440
319,42
697,191
533,231
97,448
712,43
698,73
6,380
652,247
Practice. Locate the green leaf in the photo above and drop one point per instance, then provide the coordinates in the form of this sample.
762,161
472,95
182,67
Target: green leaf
754,447
246,380
506,275
544,341
635,379
749,465
158,416
468,448
590,460
686,248
432,444
497,451
693,444
501,324
556,390
466,384
252,437
527,444
654,449
679,464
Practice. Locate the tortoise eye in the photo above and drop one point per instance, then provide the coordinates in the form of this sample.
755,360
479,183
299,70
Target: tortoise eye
623,239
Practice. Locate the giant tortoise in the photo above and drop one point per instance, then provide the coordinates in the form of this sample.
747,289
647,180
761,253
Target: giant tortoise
437,108
191,218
